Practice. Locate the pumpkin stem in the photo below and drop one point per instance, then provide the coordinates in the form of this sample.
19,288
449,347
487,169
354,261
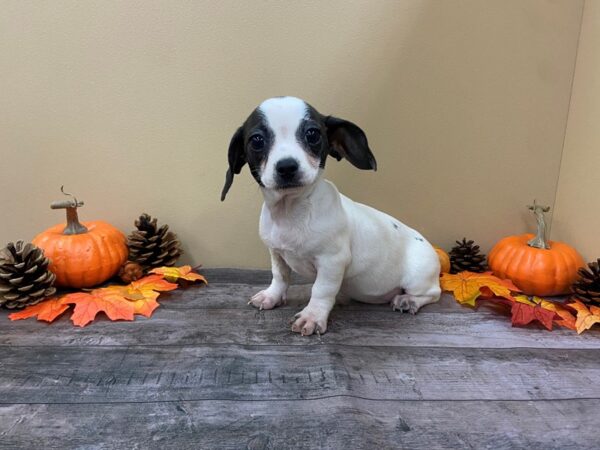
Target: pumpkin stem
71,205
539,241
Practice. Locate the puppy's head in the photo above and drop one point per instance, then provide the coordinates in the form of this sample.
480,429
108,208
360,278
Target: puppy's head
285,142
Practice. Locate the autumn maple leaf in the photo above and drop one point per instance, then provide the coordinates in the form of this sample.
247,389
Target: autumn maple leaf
151,283
526,309
48,310
523,314
566,320
585,317
89,304
174,273
469,286
117,302
144,302
143,293
563,316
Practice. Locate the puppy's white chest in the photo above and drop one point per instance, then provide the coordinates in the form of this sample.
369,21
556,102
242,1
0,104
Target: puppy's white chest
282,237
284,230
289,237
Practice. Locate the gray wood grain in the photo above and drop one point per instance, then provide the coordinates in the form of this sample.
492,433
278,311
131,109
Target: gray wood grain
128,374
236,295
332,423
208,371
176,322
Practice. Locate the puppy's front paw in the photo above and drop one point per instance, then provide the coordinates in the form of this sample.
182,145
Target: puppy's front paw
309,321
266,300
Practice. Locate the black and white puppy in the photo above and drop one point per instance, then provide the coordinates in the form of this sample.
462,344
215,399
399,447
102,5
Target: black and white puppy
347,248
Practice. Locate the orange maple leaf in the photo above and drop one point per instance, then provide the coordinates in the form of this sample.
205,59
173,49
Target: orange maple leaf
47,310
142,294
175,273
117,302
566,320
88,305
152,283
468,286
143,301
585,317
507,283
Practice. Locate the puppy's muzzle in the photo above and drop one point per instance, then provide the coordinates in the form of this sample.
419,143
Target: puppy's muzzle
288,173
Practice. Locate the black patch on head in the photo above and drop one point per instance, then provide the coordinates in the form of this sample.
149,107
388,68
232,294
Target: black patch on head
419,239
241,152
395,225
256,124
313,123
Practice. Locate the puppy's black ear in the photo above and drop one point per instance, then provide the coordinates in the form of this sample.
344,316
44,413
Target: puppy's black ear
347,140
236,157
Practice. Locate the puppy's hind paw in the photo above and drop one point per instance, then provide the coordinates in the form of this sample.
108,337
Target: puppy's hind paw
410,303
265,300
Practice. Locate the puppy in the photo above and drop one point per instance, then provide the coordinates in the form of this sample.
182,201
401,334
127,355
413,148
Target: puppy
350,250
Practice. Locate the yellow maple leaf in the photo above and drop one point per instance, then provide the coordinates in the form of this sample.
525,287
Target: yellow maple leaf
525,300
585,317
174,273
467,286
146,306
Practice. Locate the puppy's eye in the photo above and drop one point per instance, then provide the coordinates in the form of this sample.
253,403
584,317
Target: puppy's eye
257,142
312,136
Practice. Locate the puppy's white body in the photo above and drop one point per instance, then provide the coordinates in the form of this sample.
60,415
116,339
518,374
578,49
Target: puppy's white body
347,248
381,256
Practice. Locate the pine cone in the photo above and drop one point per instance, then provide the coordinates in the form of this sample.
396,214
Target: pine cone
24,275
587,287
466,256
150,246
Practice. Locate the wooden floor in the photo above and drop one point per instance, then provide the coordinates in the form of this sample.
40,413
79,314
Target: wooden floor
208,371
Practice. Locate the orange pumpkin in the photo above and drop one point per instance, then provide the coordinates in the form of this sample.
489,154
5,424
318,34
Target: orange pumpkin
444,260
82,255
534,264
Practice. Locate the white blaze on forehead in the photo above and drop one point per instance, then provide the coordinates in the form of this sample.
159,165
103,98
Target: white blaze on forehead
283,115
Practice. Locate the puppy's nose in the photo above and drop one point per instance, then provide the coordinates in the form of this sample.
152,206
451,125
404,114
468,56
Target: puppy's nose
287,168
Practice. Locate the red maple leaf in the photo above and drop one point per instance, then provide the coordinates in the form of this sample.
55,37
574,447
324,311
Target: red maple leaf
523,314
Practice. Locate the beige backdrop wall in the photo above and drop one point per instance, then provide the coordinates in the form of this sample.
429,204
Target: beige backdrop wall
577,215
131,106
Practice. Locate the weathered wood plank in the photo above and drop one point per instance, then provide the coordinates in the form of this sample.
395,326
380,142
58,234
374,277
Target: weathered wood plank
373,326
331,423
236,296
104,374
208,371
218,313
